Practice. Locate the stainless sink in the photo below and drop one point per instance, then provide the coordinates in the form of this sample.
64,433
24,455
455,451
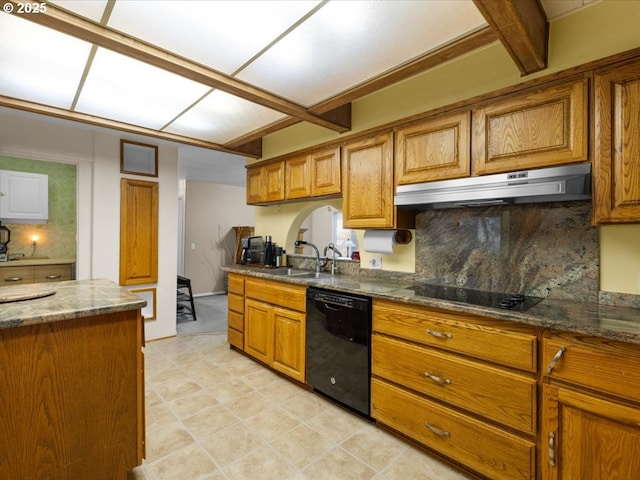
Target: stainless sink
298,273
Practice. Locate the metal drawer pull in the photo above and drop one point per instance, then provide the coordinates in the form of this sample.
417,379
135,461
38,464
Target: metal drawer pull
13,279
437,379
52,277
438,334
552,450
437,431
556,358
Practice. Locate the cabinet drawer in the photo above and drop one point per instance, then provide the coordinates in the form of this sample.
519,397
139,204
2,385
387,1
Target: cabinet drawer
236,284
277,293
235,320
16,275
479,337
483,448
235,338
235,303
52,273
606,366
503,396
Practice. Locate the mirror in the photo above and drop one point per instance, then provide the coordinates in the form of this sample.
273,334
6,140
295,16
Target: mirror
324,226
138,158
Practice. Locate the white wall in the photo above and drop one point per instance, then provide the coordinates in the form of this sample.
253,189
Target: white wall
211,212
97,156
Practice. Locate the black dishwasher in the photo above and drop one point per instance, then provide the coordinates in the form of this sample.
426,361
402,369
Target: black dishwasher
339,346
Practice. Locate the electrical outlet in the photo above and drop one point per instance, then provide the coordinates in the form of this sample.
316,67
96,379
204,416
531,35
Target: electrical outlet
375,262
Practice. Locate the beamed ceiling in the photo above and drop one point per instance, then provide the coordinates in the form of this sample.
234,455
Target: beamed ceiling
222,74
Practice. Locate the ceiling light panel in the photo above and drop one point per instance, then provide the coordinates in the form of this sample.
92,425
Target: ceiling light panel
92,10
222,35
332,51
221,117
38,64
124,89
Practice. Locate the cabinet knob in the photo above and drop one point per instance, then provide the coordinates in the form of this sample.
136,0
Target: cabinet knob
556,358
437,334
444,381
437,431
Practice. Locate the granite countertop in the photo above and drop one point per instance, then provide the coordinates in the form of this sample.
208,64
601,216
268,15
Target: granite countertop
64,301
614,323
28,261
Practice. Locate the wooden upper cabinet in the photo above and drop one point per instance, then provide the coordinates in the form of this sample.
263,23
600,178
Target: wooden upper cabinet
265,183
313,175
536,129
325,172
298,178
437,149
616,161
367,182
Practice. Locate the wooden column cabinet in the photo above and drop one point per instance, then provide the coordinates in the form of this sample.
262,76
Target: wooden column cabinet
590,409
265,183
275,325
368,187
536,129
437,149
138,232
617,144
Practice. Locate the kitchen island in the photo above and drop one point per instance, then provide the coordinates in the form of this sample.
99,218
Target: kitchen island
71,381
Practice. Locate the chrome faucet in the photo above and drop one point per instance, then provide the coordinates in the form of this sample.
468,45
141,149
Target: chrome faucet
335,251
319,265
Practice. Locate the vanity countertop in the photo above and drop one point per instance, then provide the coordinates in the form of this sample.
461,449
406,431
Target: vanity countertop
611,322
28,261
63,301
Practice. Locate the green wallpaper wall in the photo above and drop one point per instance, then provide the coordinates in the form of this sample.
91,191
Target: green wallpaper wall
57,237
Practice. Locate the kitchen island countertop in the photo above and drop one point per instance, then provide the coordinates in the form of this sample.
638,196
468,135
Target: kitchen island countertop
611,322
70,299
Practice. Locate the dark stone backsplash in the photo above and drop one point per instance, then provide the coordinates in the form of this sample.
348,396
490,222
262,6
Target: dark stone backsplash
539,249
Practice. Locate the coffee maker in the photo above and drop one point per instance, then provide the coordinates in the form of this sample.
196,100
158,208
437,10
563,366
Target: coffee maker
5,237
252,248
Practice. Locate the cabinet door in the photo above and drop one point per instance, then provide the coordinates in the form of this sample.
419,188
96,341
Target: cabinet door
298,178
255,185
52,273
437,149
24,196
536,129
289,342
587,437
617,144
325,172
274,181
368,183
258,330
16,275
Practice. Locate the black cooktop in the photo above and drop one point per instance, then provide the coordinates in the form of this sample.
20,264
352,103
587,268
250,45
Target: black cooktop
504,301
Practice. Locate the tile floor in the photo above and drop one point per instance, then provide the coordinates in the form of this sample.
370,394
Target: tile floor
214,414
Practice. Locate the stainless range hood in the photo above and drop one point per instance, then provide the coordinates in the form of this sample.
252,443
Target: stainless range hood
553,184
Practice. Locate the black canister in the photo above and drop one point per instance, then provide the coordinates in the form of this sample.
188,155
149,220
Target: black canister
268,251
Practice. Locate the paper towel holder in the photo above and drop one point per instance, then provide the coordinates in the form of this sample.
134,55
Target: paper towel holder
403,237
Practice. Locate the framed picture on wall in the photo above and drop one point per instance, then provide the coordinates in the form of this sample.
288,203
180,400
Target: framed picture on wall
148,294
138,158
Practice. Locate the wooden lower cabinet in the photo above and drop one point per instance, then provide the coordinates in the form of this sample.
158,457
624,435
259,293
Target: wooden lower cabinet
462,385
275,325
72,395
235,315
590,409
20,275
486,449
